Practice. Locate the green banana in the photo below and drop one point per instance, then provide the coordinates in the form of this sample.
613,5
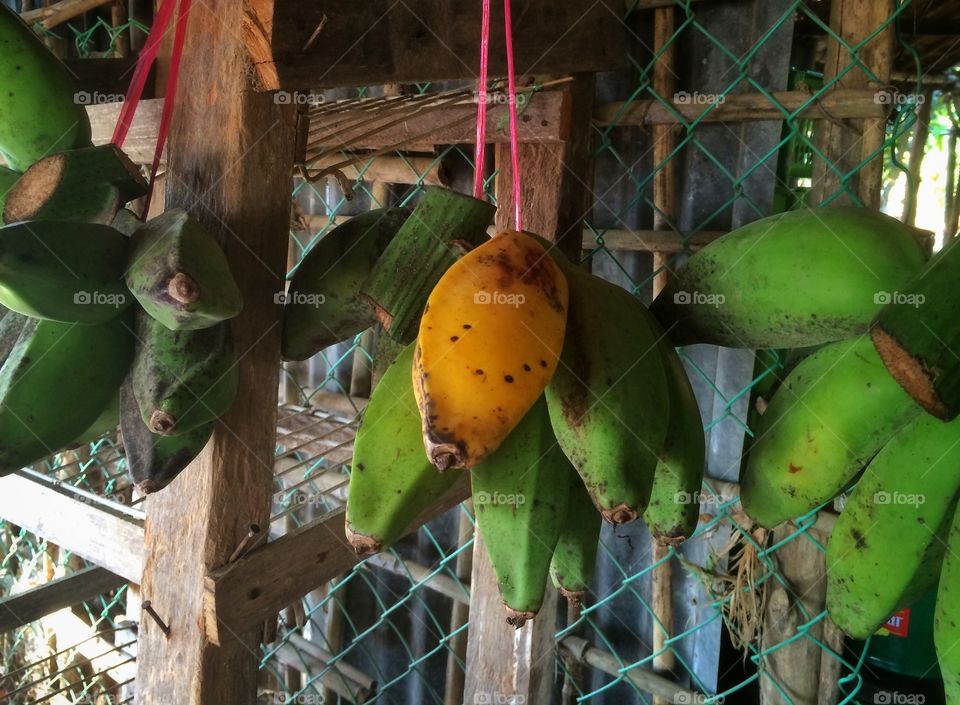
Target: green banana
49,362
126,222
392,480
575,556
520,507
106,422
39,113
946,616
67,272
154,461
324,304
180,275
887,546
832,414
608,399
8,177
183,379
87,185
791,280
674,508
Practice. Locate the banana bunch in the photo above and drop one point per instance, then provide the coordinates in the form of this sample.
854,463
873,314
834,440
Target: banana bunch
560,396
92,298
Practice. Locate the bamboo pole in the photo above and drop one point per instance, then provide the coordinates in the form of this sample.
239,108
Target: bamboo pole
665,213
119,16
54,15
460,613
918,146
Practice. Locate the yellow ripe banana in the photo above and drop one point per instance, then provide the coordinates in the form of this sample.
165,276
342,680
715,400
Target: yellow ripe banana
489,341
520,497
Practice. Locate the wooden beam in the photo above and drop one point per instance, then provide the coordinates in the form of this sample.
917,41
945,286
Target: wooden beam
63,592
424,122
244,594
297,45
848,144
231,165
142,138
56,14
389,169
744,107
503,663
99,531
369,125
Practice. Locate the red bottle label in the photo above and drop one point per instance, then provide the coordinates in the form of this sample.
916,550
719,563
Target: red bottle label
899,623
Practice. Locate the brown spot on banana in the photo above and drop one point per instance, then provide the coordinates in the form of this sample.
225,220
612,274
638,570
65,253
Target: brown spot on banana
183,289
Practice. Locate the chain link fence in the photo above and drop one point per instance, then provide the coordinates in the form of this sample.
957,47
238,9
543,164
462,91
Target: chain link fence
394,628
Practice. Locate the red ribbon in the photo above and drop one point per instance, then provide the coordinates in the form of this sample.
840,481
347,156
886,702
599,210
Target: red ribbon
480,149
147,56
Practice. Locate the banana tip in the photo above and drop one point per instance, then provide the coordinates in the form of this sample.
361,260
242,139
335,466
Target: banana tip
517,618
574,597
621,514
148,487
361,544
183,288
161,422
446,456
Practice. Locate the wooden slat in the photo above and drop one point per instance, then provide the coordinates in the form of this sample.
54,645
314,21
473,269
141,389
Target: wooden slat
102,534
744,107
297,45
503,663
268,579
67,591
360,125
539,122
231,167
847,145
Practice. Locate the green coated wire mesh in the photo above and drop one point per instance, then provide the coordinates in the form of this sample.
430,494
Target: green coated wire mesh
394,628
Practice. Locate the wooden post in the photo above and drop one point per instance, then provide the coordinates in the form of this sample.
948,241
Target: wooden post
231,166
503,662
846,144
665,212
918,146
460,614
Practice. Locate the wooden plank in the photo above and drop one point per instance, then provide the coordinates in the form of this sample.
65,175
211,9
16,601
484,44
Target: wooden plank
268,579
665,212
231,166
297,45
102,533
744,107
352,124
56,14
142,137
848,144
503,663
421,124
63,592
